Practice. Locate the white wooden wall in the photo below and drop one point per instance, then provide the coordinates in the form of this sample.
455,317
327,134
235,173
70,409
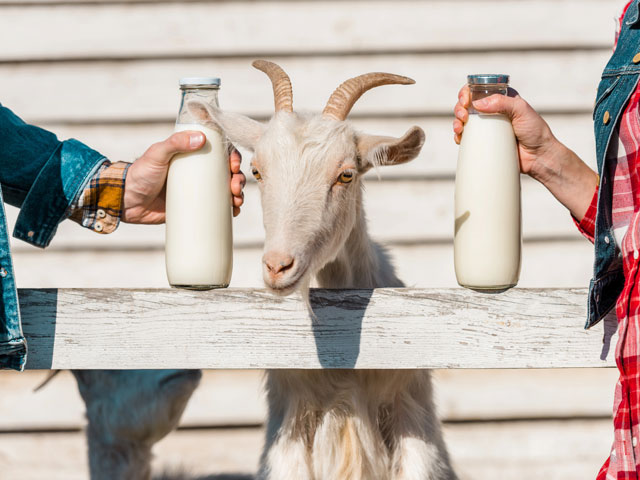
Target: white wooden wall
106,72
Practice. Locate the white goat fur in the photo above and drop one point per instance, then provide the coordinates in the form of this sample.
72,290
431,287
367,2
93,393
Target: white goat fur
334,424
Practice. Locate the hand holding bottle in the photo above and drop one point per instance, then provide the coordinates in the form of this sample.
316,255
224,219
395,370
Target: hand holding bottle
541,155
535,140
144,194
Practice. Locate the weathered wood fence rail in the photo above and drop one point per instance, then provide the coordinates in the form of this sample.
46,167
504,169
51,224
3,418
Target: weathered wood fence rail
251,328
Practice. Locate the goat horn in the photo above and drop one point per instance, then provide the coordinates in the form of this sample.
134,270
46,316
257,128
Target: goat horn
282,91
347,94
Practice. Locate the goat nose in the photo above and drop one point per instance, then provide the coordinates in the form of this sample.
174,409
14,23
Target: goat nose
277,262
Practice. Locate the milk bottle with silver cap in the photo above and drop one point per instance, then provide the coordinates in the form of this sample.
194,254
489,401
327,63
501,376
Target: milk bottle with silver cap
487,238
199,241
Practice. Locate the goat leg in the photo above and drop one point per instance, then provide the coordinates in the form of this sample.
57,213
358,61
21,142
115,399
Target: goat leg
285,455
419,451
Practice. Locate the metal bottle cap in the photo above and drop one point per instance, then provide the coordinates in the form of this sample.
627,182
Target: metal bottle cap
487,79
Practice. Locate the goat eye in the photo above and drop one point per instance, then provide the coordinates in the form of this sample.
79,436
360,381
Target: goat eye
256,173
345,177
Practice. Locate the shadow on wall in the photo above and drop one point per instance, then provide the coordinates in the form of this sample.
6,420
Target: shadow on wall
337,326
38,309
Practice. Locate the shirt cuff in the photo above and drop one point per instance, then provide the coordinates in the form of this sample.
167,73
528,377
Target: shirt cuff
588,224
99,205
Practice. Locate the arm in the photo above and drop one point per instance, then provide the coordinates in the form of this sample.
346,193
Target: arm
50,180
41,175
135,192
542,156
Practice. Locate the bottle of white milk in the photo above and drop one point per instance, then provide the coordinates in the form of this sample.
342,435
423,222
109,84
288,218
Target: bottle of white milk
199,241
488,239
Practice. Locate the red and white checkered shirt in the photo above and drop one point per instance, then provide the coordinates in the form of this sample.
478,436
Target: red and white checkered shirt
623,160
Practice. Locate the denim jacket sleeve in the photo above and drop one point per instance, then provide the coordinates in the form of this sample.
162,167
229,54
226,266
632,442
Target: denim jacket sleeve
41,175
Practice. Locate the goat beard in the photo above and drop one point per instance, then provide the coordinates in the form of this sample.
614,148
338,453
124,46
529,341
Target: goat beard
304,290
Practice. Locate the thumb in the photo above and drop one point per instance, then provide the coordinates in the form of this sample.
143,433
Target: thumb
179,142
509,106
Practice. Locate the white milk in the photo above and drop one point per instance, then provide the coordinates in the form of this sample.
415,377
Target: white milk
199,241
487,238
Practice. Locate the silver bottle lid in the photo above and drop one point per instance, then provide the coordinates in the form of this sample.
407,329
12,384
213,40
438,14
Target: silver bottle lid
204,82
487,79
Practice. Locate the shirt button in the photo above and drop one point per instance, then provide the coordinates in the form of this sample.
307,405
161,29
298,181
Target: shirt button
3,272
636,254
606,118
634,441
636,59
101,213
606,240
31,233
613,453
98,227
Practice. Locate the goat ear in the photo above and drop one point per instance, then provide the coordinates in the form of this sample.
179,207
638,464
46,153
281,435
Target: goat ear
380,151
241,130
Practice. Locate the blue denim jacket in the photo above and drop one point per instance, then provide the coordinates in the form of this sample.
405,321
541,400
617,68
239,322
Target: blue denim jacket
619,81
42,176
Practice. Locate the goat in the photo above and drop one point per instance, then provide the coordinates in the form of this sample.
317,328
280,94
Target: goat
128,411
332,424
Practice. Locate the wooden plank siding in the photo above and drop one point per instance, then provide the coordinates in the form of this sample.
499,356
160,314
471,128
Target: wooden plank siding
557,263
527,450
234,398
106,71
437,160
430,219
90,84
146,90
305,27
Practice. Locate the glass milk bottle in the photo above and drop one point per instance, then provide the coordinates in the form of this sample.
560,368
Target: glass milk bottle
487,239
199,242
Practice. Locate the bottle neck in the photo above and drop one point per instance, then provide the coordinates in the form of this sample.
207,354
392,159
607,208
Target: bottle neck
188,115
479,92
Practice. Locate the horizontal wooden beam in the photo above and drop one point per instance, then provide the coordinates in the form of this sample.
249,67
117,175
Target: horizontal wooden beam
251,328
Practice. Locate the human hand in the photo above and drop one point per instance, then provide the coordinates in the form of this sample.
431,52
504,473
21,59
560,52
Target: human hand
145,185
541,155
535,140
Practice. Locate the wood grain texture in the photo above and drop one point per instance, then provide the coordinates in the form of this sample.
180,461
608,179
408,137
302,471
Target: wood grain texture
250,328
234,398
145,90
550,450
285,27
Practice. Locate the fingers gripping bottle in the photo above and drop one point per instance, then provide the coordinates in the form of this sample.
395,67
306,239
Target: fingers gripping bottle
199,241
487,237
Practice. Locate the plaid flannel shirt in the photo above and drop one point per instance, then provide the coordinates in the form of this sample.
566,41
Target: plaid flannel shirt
99,205
623,161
